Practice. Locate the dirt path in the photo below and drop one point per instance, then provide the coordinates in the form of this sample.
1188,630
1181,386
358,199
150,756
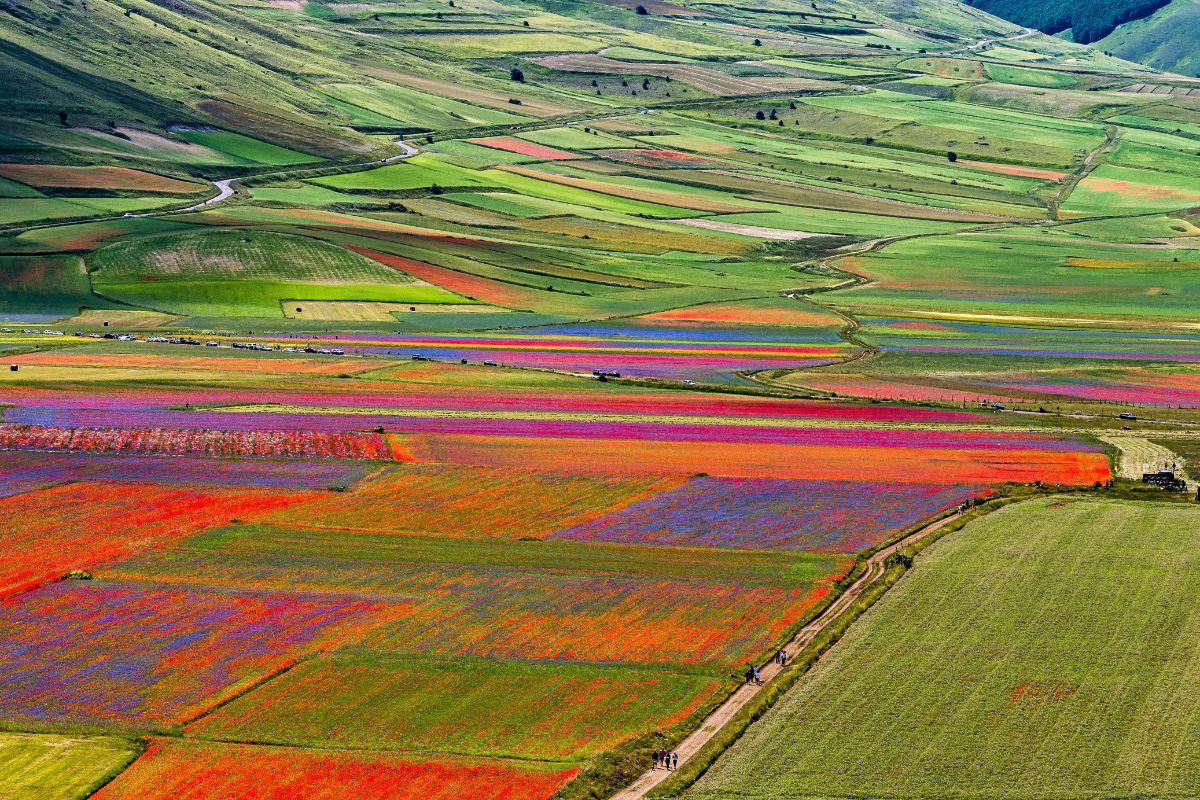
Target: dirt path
738,700
1112,135
224,189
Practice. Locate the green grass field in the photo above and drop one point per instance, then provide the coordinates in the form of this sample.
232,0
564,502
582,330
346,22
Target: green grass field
243,149
49,767
56,284
1024,76
236,255
406,107
246,273
1047,650
1025,276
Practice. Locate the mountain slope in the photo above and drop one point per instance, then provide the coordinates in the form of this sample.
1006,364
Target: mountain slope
1088,20
1165,40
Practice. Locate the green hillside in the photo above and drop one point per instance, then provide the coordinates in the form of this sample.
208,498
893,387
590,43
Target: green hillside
1165,39
1088,21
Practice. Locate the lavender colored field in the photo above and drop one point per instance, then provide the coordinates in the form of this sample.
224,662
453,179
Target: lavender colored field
22,471
126,654
837,516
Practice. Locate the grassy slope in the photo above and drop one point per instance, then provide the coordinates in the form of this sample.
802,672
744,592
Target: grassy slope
1047,650
1165,40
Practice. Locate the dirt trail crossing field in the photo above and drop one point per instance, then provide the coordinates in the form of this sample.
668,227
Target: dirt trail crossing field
738,700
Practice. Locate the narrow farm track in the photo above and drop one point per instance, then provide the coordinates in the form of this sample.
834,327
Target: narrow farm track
224,189
1112,135
721,717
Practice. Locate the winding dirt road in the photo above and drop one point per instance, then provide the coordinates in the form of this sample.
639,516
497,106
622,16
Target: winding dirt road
719,718
225,188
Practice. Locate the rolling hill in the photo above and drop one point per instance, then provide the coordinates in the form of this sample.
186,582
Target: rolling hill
1158,33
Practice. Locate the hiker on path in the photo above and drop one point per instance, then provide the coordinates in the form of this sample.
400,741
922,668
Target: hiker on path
654,757
749,675
674,760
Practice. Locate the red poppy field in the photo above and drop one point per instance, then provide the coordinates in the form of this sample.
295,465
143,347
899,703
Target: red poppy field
175,770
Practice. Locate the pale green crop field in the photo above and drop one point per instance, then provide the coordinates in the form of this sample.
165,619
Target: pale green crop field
1048,650
1114,189
49,767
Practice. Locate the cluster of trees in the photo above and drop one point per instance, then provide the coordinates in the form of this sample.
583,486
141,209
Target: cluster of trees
1089,20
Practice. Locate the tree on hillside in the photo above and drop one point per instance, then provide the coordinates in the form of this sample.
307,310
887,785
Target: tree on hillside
759,115
642,10
952,156
517,75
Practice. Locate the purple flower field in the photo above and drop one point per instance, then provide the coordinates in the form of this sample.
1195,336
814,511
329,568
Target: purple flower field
834,516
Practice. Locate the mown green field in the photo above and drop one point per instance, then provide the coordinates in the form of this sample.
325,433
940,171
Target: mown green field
1046,650
50,767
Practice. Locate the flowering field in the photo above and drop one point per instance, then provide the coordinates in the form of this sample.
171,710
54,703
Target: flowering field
186,770
172,441
80,526
21,470
473,501
842,516
289,366
552,599
137,656
463,283
666,159
855,455
683,352
578,399
522,147
48,175
537,612
520,573
1134,386
1171,385
549,712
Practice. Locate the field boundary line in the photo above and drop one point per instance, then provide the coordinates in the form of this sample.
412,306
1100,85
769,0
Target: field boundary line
715,722
1112,136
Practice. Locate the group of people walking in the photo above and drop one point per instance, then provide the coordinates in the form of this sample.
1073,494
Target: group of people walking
755,677
665,760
